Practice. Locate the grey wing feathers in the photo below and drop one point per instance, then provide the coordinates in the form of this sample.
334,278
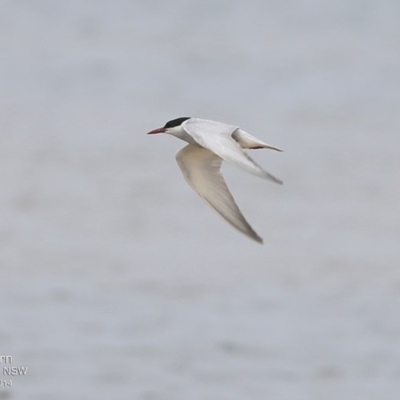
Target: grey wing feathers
248,141
217,137
201,169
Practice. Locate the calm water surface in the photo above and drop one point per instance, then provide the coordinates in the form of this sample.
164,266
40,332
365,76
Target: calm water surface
118,282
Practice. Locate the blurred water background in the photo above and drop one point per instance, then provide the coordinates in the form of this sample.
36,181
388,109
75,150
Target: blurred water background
118,282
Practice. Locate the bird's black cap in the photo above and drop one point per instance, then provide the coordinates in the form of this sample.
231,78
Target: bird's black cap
175,122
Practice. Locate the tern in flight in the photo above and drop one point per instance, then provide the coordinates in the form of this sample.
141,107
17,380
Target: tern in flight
210,143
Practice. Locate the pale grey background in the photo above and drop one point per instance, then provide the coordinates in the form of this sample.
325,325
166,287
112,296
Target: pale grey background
117,282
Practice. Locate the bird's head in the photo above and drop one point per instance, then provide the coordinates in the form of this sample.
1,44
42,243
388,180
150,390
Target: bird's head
172,127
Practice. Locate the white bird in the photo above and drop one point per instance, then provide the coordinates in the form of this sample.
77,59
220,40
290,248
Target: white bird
211,142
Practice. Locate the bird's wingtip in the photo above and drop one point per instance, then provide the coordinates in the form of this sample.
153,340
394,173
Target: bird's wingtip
258,239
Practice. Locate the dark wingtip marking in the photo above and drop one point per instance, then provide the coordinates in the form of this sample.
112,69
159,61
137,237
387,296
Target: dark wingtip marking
259,240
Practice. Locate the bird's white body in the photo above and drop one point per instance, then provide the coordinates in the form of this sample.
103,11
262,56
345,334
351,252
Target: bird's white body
209,143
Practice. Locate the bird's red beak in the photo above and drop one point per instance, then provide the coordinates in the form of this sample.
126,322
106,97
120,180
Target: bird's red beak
158,130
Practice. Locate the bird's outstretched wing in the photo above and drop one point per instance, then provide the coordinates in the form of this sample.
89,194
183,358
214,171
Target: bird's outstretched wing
217,137
201,169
